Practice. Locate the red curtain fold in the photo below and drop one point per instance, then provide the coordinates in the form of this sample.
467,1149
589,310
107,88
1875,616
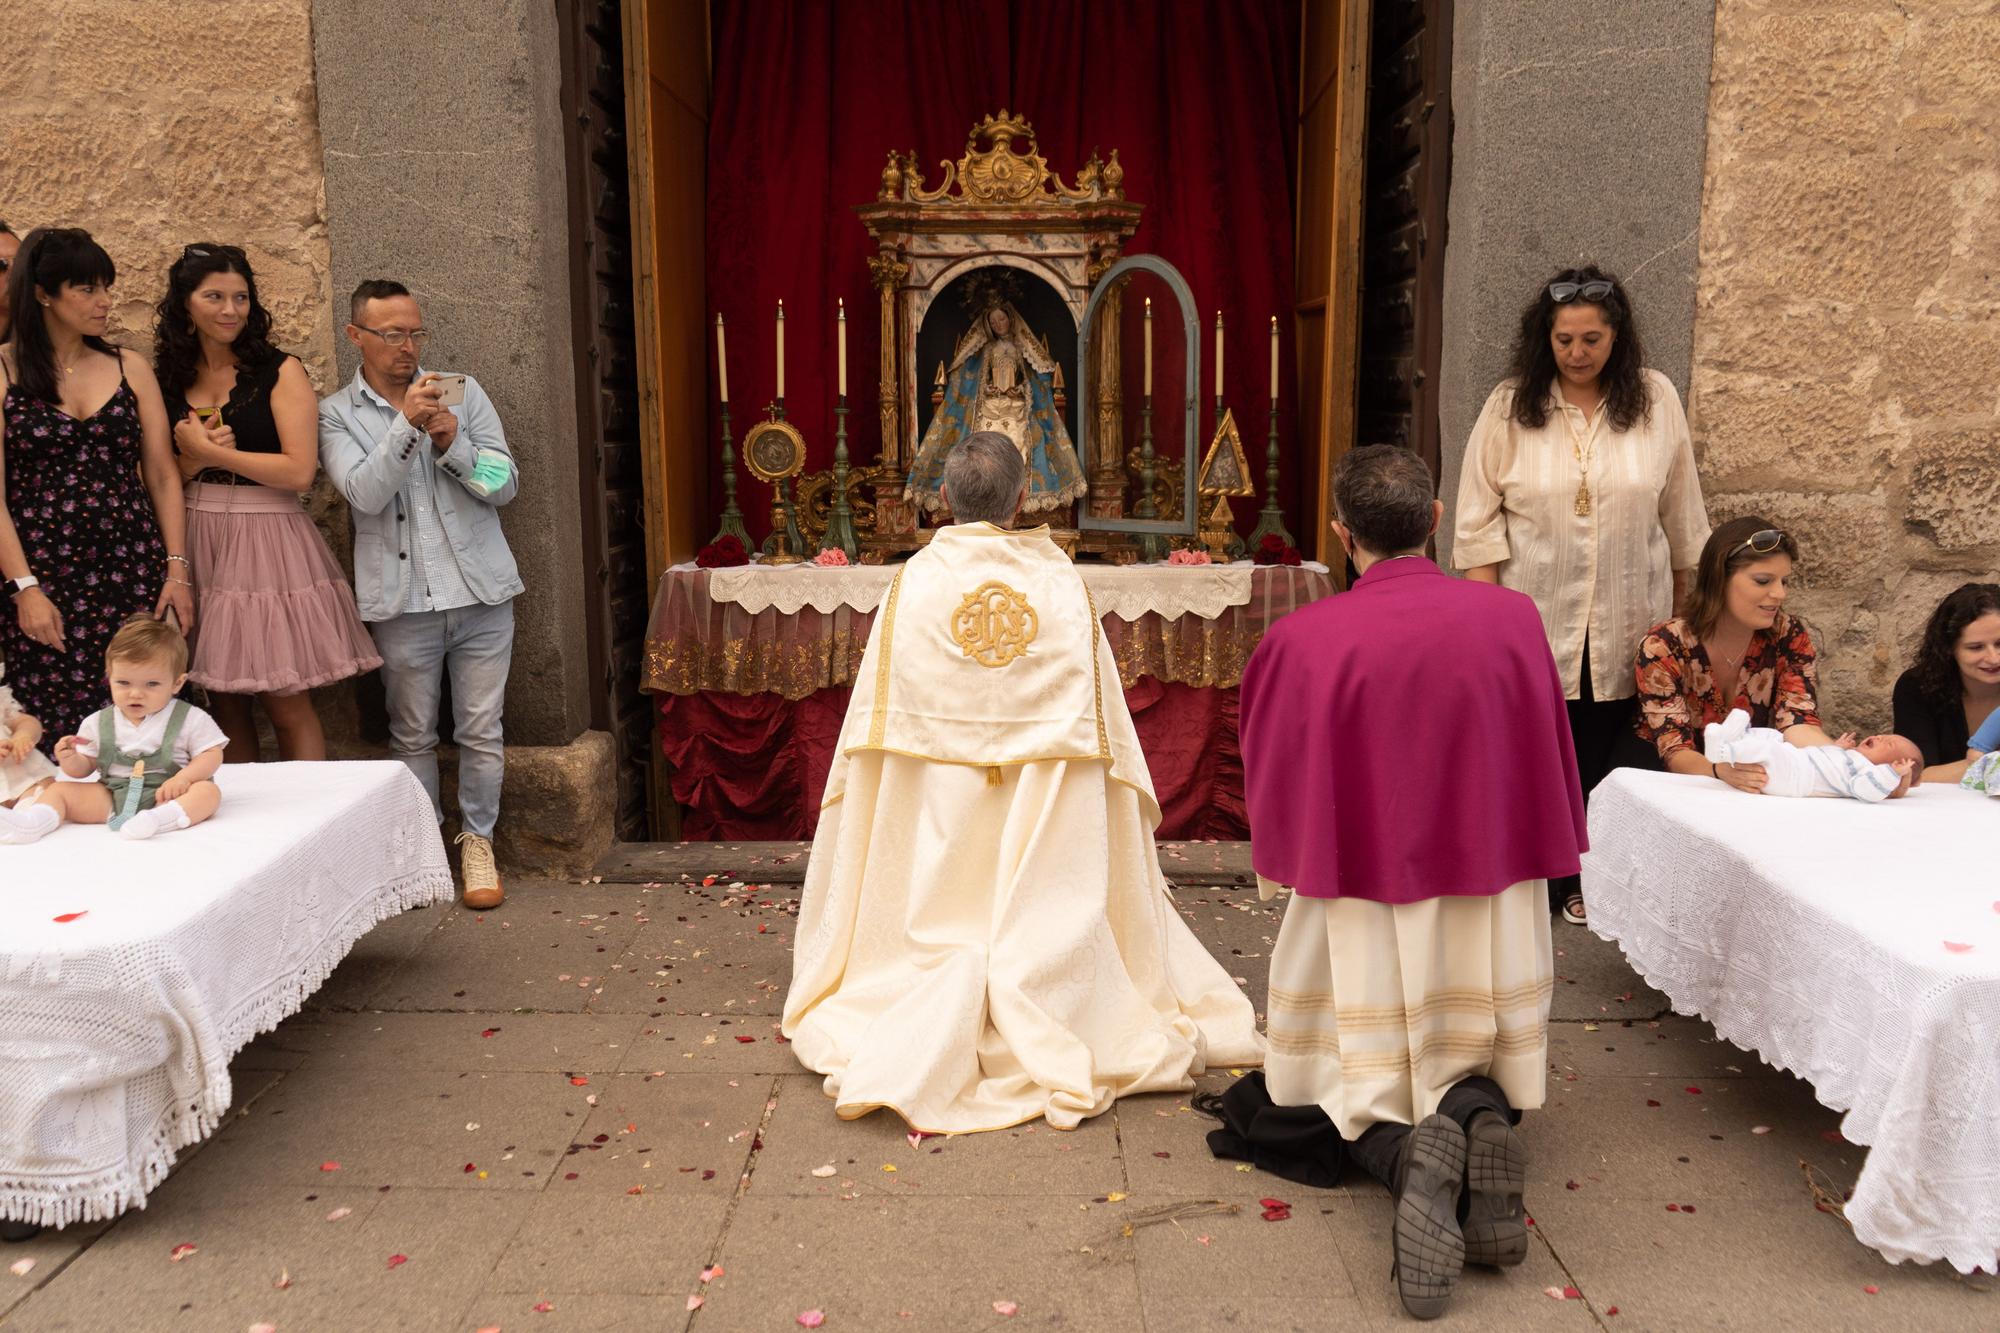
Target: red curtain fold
752,767
1200,100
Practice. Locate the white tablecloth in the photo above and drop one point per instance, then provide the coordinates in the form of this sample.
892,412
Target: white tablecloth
1125,591
117,1025
1857,946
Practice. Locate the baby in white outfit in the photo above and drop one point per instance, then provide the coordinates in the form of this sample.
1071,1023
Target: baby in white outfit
23,768
1876,769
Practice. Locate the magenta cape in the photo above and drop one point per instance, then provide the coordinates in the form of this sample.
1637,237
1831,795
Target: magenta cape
1407,740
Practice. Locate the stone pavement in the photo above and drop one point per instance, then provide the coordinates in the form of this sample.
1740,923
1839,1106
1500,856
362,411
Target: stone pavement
576,1113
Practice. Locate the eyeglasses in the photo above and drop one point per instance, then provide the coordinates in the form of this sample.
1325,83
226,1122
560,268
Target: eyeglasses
206,251
1760,543
1563,292
397,337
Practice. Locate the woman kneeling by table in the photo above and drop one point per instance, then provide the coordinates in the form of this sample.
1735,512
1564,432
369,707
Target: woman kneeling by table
1736,647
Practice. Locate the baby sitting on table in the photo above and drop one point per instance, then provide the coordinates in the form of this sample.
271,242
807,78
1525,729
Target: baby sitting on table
156,755
1876,769
24,770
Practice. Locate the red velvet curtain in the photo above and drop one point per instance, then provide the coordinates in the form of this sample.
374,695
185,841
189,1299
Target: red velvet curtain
1200,99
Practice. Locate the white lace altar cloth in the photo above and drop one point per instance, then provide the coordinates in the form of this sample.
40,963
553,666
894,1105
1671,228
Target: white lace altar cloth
117,1025
1828,936
1125,591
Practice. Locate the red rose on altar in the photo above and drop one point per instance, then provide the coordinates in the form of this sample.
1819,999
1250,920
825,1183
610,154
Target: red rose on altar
1290,557
722,553
1273,551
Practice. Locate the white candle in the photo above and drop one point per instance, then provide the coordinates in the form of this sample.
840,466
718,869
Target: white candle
781,349
1149,347
1218,354
842,321
721,357
1274,358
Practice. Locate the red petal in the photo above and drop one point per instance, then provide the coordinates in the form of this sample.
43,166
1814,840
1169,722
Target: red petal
329,1166
1951,946
1611,1310
489,1032
1691,1090
68,917
398,1260
1651,1102
745,1039
1572,1294
1673,1208
544,1307
1274,1203
1871,1289
578,1081
470,1167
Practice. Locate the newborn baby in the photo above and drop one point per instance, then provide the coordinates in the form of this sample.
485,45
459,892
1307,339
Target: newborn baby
1874,770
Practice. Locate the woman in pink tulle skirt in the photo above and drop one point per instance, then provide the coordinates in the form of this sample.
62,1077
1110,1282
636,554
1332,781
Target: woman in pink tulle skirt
275,612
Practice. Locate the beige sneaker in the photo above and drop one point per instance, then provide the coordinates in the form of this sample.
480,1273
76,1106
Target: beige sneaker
481,876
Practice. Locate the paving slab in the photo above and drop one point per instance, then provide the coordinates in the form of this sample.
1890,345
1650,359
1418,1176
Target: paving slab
376,956
707,1043
589,1313
1668,1047
376,1041
702,952
1028,1160
1749,1264
1486,1298
340,1273
413,1128
681,1134
924,1263
539,952
1237,1269
575,1245
1594,983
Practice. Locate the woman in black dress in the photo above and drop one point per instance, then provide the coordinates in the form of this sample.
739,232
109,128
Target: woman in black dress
1953,685
90,501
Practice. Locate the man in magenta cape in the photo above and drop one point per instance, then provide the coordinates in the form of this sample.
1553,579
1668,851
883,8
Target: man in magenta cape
1409,775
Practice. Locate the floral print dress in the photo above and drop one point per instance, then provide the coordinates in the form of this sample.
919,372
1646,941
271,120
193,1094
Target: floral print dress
1778,685
86,522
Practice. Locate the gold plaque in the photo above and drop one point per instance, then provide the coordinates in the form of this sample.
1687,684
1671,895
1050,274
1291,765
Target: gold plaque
1225,471
994,624
774,450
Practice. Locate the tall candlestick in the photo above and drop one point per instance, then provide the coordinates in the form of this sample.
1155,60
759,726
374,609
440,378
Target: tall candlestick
1218,354
781,347
721,358
842,321
1274,358
1149,344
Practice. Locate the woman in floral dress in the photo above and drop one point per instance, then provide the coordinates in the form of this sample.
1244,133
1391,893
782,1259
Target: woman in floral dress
1736,647
91,515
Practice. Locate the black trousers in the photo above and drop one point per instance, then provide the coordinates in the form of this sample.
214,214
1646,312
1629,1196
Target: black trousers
1299,1143
1596,730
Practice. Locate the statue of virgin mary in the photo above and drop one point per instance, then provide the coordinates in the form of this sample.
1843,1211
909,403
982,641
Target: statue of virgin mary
999,381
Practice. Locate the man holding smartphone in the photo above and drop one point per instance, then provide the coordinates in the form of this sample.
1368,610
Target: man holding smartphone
424,464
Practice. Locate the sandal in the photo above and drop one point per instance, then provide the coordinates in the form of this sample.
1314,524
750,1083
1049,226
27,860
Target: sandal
1573,910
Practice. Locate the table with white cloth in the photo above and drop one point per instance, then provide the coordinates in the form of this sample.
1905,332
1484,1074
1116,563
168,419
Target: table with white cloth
132,972
1855,945
751,667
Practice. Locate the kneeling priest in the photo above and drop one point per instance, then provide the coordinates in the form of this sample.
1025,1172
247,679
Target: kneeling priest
1409,776
986,935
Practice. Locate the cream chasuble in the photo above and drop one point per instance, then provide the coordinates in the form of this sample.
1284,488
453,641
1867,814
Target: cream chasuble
985,935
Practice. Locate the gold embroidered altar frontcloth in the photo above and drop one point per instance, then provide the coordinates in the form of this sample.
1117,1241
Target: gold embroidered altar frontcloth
1187,626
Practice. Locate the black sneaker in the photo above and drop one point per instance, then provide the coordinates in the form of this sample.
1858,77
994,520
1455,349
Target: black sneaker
1429,1248
1496,1170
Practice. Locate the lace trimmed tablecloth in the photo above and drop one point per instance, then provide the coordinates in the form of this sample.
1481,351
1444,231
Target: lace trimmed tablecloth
1857,946
132,972
794,630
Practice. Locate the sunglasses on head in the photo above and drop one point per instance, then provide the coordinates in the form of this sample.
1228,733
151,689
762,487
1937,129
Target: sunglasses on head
211,251
1760,543
1594,290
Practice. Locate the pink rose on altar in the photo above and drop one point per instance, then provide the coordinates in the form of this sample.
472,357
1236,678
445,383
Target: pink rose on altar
1186,557
831,558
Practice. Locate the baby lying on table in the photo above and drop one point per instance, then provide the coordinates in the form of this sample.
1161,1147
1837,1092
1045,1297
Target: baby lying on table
1876,769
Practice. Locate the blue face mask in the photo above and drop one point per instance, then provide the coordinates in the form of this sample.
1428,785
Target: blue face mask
491,470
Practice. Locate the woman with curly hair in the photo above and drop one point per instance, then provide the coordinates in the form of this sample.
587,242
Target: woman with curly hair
1579,489
1953,685
278,615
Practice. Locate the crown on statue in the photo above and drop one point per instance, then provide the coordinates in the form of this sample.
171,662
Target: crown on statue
997,175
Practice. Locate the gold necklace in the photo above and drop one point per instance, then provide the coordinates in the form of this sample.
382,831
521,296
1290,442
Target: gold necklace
1585,448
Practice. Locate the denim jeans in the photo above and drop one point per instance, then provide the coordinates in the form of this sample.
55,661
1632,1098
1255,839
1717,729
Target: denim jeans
476,644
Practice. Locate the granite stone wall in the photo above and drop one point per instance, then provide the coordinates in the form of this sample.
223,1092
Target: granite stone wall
1846,376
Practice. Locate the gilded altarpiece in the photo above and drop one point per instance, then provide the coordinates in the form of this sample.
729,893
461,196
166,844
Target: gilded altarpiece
997,206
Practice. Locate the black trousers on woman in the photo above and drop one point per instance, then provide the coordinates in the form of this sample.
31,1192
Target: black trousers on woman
1595,729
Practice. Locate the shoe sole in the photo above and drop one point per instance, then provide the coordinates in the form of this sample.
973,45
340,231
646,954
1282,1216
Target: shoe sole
1426,1241
1496,1172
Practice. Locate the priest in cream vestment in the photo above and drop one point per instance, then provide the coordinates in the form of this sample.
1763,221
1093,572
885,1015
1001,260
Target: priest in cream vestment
985,935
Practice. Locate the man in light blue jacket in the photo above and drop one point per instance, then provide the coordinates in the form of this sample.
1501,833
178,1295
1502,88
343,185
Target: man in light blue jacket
432,572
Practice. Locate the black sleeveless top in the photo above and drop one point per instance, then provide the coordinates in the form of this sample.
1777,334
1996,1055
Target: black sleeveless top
247,412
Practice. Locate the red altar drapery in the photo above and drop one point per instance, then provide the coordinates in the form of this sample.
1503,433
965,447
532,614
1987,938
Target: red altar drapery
752,767
1200,100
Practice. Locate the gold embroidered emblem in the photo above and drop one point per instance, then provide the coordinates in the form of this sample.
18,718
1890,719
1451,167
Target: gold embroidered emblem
994,624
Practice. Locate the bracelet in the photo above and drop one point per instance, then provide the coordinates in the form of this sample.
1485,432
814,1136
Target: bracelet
183,582
183,559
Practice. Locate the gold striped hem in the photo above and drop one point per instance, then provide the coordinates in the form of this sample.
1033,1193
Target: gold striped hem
878,725
1444,1001
1096,668
1329,1043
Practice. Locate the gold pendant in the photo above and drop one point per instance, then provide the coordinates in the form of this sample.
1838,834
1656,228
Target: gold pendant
1582,499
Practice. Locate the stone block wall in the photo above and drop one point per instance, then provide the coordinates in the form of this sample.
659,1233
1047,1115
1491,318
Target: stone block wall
1846,377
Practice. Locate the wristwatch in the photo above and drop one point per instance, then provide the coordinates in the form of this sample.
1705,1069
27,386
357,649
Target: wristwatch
25,582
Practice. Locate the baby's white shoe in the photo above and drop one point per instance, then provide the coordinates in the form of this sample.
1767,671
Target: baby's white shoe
160,819
29,825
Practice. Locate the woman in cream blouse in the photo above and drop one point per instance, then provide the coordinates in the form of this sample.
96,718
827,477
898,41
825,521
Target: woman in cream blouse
1579,489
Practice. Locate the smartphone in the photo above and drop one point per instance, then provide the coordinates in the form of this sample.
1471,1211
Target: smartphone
452,390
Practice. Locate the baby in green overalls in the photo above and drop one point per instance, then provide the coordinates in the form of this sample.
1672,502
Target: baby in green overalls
155,755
